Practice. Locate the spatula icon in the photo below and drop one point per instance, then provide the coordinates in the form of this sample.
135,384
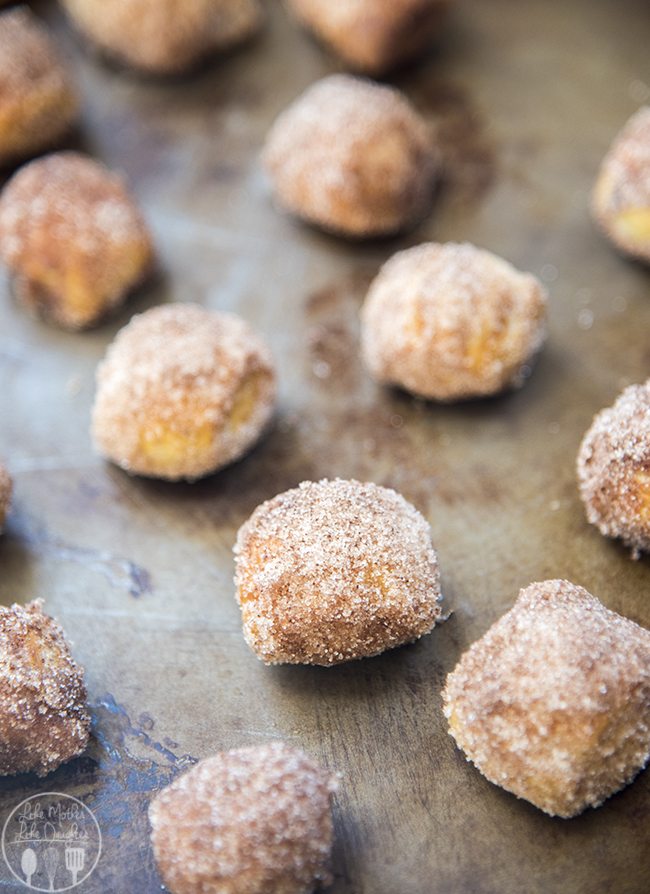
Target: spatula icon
28,865
74,861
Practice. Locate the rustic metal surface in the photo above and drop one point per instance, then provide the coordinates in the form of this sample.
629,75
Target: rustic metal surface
139,573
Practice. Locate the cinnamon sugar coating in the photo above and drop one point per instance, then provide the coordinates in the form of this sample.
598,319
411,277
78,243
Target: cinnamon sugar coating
373,36
352,157
6,488
248,821
38,104
44,721
621,200
182,392
335,570
164,37
450,321
553,702
73,238
614,469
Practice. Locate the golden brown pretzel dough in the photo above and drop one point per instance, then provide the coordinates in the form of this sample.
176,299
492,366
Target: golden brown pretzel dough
352,157
553,702
614,469
73,238
373,36
335,570
621,201
248,821
38,104
44,721
182,392
164,37
6,488
448,322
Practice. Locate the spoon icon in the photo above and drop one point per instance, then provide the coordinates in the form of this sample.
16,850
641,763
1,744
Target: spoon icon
28,865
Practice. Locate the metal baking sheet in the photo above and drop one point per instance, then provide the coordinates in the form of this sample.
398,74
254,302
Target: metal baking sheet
527,98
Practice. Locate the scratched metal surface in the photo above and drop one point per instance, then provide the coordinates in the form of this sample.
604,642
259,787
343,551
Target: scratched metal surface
139,573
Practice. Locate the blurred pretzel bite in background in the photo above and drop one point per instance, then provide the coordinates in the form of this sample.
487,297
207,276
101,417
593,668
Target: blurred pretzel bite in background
38,104
44,721
621,200
248,821
449,322
6,488
335,570
614,469
353,158
73,238
164,37
373,36
182,392
553,702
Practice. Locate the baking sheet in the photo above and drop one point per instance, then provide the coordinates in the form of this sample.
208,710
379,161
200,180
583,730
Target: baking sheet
528,97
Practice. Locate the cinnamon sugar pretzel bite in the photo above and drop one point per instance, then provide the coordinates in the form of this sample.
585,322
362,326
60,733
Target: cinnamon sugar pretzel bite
182,392
553,702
